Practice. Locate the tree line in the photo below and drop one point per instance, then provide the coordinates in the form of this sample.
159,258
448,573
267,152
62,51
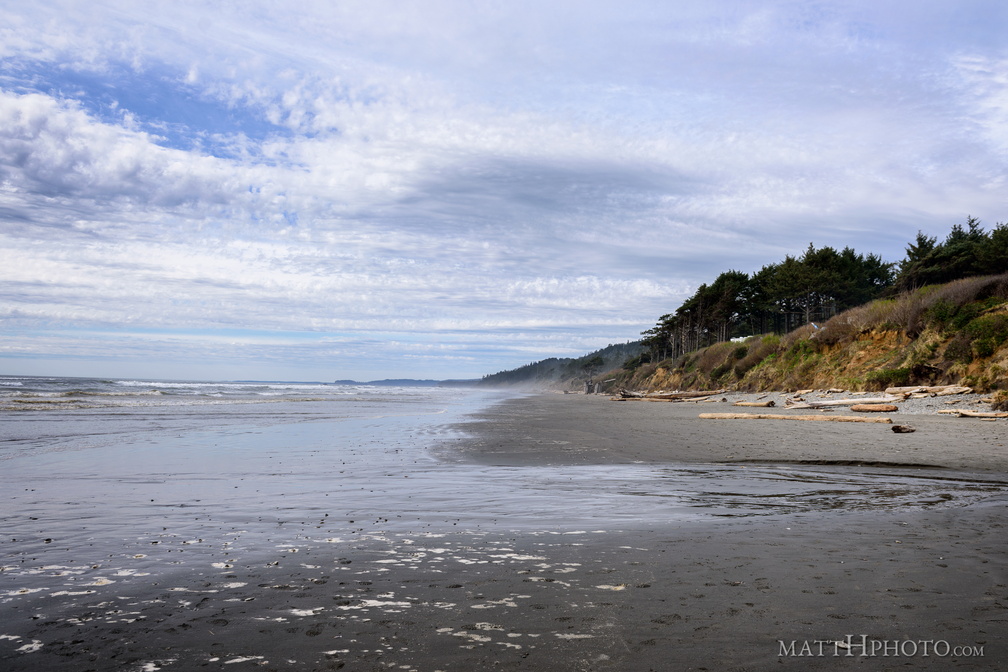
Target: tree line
819,284
965,253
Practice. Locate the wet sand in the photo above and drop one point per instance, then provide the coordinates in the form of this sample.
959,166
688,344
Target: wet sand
577,429
655,592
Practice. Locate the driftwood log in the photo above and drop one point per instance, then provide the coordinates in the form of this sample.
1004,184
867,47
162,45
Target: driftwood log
874,408
963,413
659,399
811,418
889,398
903,429
667,396
634,399
676,396
759,404
937,390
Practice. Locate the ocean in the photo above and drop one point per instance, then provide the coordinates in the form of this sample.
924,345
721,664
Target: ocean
88,463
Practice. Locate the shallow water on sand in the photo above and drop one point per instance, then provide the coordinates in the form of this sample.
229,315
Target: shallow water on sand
159,481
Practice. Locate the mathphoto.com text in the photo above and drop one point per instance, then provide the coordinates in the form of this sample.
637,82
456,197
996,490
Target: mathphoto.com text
863,645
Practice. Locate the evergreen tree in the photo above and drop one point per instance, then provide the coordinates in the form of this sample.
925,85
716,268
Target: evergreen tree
819,284
965,252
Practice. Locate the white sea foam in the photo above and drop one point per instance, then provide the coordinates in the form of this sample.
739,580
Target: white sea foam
23,591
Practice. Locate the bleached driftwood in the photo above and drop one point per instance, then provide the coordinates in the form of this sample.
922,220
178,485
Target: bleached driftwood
774,416
938,390
660,399
668,396
761,404
963,413
951,389
667,400
874,408
913,389
677,396
888,399
640,399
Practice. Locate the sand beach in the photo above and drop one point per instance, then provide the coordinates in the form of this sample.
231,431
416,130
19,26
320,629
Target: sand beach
735,545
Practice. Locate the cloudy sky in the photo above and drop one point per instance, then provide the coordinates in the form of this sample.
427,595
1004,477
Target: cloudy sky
444,189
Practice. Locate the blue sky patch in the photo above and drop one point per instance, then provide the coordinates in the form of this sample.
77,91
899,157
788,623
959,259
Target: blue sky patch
179,115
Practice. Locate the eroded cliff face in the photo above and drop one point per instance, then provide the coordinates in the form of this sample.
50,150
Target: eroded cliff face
874,359
956,333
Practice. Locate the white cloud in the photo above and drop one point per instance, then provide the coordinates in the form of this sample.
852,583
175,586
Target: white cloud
53,150
985,80
475,179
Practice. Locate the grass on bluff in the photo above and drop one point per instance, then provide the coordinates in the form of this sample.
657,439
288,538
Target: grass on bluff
952,333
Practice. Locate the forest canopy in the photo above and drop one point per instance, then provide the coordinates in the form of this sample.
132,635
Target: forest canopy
818,285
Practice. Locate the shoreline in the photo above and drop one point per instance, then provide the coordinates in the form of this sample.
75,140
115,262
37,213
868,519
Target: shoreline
578,429
654,590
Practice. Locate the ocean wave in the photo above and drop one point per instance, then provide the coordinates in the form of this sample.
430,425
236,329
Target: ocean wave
220,389
76,394
144,393
106,402
20,392
27,403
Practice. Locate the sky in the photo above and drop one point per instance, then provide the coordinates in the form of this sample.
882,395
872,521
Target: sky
446,189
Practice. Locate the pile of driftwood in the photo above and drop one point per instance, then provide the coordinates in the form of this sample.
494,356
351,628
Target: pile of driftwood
963,413
871,403
626,395
774,416
885,403
919,392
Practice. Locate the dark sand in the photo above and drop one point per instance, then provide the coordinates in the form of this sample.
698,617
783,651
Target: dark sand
716,593
576,429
